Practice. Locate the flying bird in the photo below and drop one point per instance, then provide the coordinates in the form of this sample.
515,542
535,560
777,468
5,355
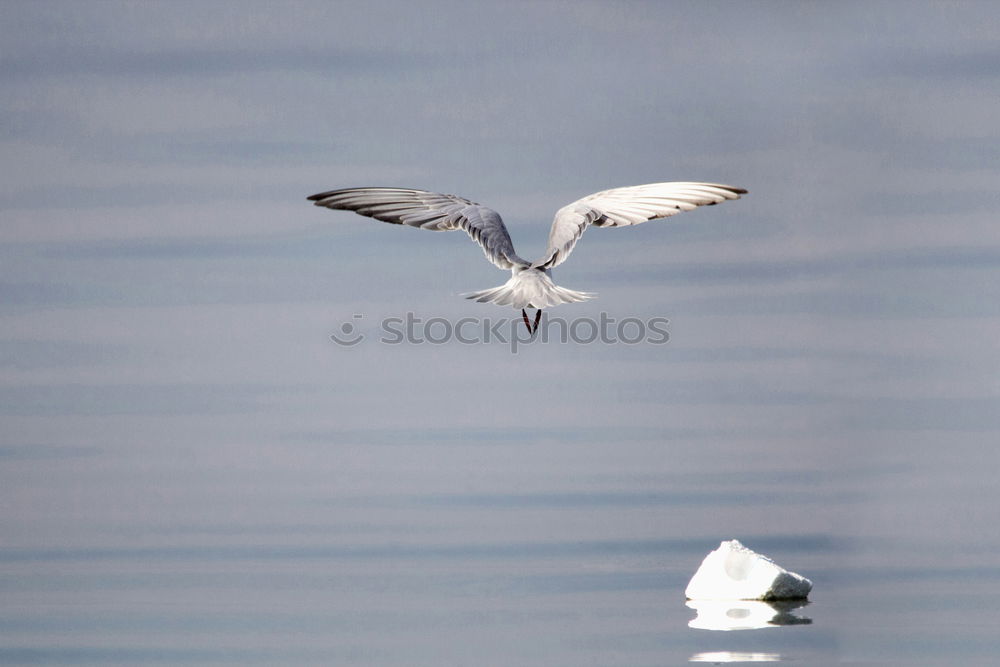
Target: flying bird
530,284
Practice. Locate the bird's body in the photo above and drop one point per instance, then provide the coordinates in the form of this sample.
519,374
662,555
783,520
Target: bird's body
530,285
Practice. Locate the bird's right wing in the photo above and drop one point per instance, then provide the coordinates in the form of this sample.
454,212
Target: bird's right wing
429,210
627,206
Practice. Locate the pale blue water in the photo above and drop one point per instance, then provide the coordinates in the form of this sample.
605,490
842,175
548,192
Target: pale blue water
192,472
359,550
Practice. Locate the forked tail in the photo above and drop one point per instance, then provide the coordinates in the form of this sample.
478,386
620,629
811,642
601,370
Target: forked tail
529,288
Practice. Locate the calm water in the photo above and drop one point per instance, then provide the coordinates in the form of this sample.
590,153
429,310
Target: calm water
192,472
384,548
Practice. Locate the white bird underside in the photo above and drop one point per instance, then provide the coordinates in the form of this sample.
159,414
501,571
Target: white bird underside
530,285
529,288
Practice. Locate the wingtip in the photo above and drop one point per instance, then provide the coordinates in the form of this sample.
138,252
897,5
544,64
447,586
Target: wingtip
345,191
320,196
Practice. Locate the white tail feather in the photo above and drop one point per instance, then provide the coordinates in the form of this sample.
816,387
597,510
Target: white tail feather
529,288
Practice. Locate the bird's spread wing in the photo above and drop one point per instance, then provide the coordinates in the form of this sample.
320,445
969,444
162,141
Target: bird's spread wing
627,206
429,210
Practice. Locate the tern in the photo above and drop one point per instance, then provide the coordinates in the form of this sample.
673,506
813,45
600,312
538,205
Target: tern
530,284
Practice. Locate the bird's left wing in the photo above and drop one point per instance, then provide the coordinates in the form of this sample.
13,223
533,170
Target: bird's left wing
429,210
627,206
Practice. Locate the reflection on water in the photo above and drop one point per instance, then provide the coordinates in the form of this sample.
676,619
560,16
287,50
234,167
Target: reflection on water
745,614
734,656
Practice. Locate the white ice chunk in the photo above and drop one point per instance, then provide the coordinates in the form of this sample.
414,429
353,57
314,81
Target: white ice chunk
733,572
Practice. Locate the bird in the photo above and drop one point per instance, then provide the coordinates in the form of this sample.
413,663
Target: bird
530,284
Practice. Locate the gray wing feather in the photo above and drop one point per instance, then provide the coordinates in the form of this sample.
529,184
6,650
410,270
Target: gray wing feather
429,210
627,206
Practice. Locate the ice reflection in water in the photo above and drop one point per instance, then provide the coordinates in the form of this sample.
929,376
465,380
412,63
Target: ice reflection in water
745,614
734,656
